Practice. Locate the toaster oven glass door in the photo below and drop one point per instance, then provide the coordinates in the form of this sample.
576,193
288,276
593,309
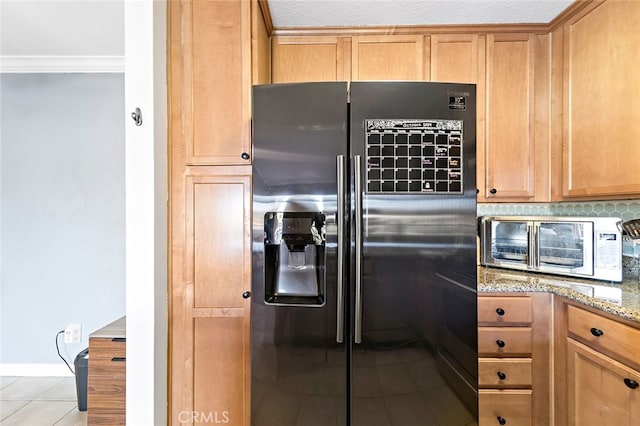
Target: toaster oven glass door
565,246
510,243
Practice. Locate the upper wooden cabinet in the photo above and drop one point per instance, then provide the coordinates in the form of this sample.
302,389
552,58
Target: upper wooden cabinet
517,144
601,129
392,57
306,59
454,58
211,79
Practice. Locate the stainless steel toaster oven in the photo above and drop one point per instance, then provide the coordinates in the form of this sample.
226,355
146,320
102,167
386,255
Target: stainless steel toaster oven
587,247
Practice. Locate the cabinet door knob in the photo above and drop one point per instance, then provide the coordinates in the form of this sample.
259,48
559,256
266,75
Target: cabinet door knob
501,375
246,295
244,155
631,384
502,420
500,311
500,343
596,332
493,190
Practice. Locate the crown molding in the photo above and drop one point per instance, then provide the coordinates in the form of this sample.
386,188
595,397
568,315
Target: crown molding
61,64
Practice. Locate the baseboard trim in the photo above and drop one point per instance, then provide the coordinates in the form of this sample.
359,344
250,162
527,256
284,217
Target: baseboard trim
31,370
61,64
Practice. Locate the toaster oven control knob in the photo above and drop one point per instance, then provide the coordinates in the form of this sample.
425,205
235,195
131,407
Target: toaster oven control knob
493,190
500,343
631,384
500,311
501,375
245,156
502,420
596,332
246,295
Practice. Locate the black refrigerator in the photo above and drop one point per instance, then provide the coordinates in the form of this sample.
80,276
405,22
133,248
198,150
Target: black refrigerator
364,254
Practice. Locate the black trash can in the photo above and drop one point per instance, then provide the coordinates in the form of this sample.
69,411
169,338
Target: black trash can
81,365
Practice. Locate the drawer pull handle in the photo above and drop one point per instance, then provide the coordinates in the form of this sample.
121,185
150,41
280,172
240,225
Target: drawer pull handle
500,311
596,332
246,295
500,343
631,384
119,339
118,359
501,375
502,420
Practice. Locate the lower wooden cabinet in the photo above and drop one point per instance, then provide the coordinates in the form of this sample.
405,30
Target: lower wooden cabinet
210,349
513,364
601,390
597,367
106,381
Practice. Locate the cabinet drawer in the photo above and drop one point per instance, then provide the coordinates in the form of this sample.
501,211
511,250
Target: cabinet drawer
106,393
109,418
504,372
500,310
514,406
604,334
504,341
114,366
100,347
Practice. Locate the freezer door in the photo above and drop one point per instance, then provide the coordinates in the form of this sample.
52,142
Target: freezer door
415,147
298,371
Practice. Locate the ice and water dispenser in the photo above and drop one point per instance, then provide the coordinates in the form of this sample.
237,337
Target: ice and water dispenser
294,251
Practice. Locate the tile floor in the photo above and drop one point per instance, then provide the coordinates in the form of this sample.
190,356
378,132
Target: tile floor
39,401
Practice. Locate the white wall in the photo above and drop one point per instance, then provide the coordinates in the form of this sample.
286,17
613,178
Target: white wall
62,227
61,27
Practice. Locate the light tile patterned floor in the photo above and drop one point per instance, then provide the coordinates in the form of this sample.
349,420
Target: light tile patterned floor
40,401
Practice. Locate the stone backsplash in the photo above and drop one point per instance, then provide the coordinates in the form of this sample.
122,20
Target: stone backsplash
624,209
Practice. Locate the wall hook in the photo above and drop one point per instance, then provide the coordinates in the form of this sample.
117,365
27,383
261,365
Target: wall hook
137,116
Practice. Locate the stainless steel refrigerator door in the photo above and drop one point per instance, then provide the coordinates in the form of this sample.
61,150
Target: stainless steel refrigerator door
299,148
418,254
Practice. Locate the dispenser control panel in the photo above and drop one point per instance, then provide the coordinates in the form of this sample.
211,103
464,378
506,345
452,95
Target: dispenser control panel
410,156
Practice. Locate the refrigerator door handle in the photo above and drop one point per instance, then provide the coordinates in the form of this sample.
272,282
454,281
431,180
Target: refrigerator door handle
358,243
340,272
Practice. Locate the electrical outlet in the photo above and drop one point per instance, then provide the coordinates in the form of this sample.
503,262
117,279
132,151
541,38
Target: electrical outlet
73,333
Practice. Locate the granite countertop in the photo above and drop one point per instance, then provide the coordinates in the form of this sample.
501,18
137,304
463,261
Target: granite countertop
621,299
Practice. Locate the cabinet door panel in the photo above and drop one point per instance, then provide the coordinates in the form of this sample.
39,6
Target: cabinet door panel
220,362
214,70
307,59
597,390
388,58
218,228
509,142
454,58
602,102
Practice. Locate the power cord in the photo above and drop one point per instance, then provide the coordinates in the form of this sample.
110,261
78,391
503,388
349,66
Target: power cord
60,355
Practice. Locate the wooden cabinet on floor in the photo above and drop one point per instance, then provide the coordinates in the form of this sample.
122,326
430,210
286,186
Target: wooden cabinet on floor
106,381
211,305
597,368
215,49
601,102
513,365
